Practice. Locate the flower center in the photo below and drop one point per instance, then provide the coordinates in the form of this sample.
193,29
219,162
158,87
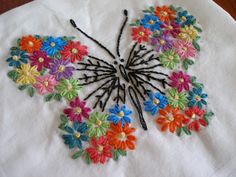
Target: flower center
185,48
122,135
100,148
74,51
78,110
99,123
151,22
156,101
77,135
15,57
52,44
61,68
170,27
193,116
45,83
141,33
171,57
164,13
121,114
198,98
31,44
170,117
183,18
181,80
41,59
176,97
162,42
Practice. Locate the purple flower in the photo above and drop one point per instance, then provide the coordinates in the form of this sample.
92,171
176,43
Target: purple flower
163,42
60,69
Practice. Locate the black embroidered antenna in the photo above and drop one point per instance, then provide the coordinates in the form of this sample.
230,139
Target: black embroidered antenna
137,73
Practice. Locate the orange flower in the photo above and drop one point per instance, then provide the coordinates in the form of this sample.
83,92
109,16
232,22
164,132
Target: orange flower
170,118
165,13
121,138
30,44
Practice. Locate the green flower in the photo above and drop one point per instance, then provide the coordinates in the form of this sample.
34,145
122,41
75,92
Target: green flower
98,124
68,88
169,59
177,99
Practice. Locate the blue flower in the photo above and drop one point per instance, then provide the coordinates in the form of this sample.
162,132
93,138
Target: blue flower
196,97
152,22
17,57
183,18
156,102
120,115
53,45
76,135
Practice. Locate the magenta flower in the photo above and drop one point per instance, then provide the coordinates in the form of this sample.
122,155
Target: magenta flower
185,49
171,28
180,80
60,69
40,59
163,42
77,110
45,84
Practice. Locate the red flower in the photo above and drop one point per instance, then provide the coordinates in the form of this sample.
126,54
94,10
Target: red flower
74,51
77,110
100,150
30,44
141,34
40,59
195,118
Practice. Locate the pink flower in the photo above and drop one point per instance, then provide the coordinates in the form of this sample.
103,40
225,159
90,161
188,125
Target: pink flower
77,110
180,80
45,84
185,49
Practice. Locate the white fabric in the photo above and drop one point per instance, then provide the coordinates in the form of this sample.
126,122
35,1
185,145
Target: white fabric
30,145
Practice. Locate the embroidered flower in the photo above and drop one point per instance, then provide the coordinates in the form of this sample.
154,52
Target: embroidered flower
185,49
177,99
17,57
165,13
60,69
141,34
100,150
77,110
77,134
68,88
27,74
152,22
98,124
180,80
156,102
53,45
196,97
170,118
120,115
163,42
194,118
188,33
74,51
169,59
183,18
45,84
121,137
171,28
40,59
30,44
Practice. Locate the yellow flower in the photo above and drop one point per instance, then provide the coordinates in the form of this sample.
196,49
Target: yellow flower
188,33
27,74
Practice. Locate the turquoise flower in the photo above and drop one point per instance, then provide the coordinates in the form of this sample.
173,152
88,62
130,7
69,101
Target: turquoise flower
152,22
157,101
52,46
17,57
76,135
120,115
183,18
196,97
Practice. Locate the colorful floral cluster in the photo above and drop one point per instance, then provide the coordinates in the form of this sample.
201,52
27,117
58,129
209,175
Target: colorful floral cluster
172,32
97,137
46,65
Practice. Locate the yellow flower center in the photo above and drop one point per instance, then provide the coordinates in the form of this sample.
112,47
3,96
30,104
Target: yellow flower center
100,148
15,57
45,83
156,101
61,68
78,110
193,116
74,51
198,98
99,123
176,97
121,114
170,28
185,48
171,57
181,80
151,22
52,44
141,33
183,18
31,44
69,87
77,135
162,42
41,59
164,13
170,117
122,135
